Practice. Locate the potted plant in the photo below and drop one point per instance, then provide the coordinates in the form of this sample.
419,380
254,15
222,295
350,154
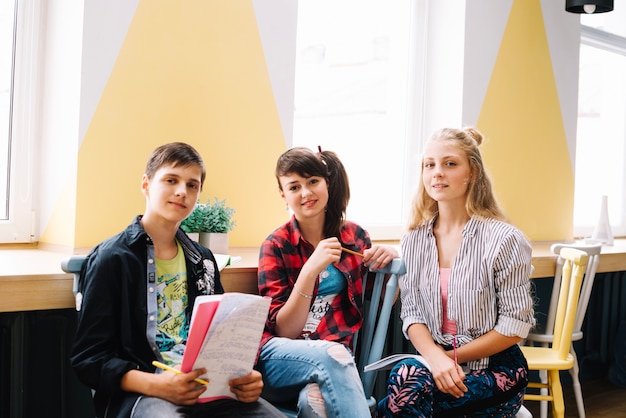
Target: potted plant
212,221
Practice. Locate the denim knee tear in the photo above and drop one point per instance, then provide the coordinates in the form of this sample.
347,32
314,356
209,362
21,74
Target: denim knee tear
316,343
339,353
316,401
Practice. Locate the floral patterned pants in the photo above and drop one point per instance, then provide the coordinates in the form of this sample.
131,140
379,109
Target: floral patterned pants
496,391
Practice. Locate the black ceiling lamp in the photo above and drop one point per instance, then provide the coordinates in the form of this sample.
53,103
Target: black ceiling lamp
588,6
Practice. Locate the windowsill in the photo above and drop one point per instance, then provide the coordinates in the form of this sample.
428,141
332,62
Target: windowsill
31,278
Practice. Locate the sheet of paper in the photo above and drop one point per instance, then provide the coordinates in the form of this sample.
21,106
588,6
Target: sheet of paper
232,342
222,260
390,361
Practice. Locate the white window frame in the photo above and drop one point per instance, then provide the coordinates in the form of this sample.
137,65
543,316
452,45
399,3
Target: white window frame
20,227
612,43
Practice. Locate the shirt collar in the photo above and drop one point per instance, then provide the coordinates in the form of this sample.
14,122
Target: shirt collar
136,233
469,230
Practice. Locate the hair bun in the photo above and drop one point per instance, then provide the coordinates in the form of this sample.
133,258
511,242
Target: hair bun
474,134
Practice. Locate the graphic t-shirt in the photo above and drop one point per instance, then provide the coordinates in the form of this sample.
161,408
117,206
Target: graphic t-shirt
331,283
172,301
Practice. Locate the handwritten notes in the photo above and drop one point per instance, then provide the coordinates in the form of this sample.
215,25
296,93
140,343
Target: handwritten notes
224,338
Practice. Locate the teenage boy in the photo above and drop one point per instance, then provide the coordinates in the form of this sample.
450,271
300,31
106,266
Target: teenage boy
138,292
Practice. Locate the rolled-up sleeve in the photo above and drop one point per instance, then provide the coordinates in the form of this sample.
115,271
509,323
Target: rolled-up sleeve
512,268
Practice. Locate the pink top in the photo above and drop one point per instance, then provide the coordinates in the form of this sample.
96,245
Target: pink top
448,326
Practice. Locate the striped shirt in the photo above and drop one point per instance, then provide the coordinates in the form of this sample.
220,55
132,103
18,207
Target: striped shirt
489,286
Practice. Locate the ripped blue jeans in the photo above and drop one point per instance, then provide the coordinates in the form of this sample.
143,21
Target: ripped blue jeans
293,370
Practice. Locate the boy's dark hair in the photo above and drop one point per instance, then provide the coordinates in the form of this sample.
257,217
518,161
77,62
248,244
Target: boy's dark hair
326,164
174,154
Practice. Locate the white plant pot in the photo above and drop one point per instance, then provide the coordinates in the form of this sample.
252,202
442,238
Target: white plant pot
215,241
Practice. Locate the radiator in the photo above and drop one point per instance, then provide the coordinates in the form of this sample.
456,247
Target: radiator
606,310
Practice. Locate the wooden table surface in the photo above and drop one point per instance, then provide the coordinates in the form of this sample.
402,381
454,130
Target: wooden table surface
32,279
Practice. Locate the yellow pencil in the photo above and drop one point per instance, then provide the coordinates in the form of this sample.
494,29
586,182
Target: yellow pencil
351,252
171,369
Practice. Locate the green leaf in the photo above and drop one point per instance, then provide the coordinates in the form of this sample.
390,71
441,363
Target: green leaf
210,217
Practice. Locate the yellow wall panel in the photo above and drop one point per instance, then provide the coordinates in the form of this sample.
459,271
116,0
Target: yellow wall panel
189,71
61,228
526,148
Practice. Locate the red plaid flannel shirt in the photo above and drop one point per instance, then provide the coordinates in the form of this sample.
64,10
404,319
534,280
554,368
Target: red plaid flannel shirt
281,258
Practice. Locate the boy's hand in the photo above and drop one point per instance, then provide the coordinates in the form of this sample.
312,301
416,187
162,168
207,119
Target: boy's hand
180,389
247,388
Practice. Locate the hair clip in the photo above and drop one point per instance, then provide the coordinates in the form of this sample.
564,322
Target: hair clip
319,153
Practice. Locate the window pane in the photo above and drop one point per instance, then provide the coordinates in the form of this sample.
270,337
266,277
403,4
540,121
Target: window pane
19,57
351,94
600,149
6,66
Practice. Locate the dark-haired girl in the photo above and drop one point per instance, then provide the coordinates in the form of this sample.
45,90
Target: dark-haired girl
316,290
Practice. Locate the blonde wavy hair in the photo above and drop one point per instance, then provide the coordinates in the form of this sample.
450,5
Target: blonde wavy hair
480,201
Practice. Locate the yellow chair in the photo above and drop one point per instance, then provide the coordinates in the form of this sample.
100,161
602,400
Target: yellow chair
545,337
558,357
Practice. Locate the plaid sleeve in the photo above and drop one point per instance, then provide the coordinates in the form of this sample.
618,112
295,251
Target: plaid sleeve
277,268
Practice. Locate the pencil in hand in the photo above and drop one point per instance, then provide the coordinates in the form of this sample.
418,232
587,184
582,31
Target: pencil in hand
351,252
454,349
171,369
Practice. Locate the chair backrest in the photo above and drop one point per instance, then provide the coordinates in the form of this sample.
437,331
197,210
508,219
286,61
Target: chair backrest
73,265
571,279
593,251
370,340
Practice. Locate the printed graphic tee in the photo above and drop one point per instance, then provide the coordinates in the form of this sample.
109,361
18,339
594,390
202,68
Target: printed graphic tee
331,283
172,300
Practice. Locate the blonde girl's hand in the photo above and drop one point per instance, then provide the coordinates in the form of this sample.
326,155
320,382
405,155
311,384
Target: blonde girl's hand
378,256
448,376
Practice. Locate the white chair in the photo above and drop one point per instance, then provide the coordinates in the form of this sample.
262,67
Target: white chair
546,338
523,413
